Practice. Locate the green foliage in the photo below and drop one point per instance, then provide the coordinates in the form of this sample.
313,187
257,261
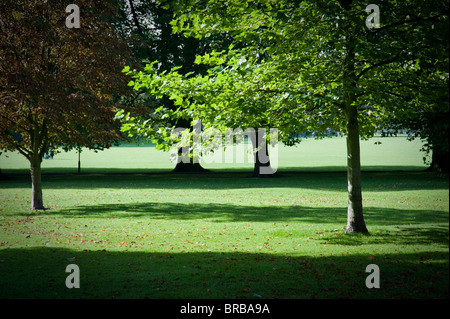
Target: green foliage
57,85
290,62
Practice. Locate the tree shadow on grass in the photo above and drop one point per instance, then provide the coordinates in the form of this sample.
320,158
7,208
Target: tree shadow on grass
327,181
130,273
241,213
402,235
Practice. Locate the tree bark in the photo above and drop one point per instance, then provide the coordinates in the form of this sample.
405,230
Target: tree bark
261,166
79,161
36,183
135,19
186,161
188,167
355,218
439,161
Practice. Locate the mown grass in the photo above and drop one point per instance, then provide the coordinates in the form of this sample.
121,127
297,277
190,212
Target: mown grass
328,154
224,235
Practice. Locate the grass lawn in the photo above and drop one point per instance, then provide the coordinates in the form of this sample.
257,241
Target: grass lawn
329,154
226,234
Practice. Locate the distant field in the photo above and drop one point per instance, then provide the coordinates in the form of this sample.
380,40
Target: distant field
394,153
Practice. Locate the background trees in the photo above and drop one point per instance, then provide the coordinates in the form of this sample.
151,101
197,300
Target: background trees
321,56
147,29
56,83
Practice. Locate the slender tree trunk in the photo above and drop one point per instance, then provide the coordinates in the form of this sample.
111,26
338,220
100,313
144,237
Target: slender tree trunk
79,161
36,183
355,218
135,18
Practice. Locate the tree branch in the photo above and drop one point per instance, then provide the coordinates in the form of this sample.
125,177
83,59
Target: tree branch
135,19
23,150
14,123
394,94
376,65
416,19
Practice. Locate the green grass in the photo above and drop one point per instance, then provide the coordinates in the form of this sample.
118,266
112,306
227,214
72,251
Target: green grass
226,234
329,154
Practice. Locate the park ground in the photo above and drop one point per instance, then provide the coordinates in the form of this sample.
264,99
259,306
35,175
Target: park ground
136,230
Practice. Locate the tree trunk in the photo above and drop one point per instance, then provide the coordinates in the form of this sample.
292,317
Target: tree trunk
188,167
261,166
79,161
355,218
439,161
36,183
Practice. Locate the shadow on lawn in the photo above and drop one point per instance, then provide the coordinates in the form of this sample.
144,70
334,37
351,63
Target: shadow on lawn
401,236
241,213
327,181
46,171
40,273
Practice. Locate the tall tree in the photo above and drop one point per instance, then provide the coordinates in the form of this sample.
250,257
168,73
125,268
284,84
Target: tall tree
56,82
147,27
352,72
430,120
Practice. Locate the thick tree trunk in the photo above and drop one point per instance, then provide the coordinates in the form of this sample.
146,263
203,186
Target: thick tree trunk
36,183
261,166
355,218
188,167
187,163
439,161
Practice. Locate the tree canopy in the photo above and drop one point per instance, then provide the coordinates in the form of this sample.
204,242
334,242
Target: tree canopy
313,65
57,83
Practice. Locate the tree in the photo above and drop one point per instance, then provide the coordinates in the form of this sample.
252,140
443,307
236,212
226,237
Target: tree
430,120
146,26
228,95
433,127
57,83
324,61
327,54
